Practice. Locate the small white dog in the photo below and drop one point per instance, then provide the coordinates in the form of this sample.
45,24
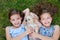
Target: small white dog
31,20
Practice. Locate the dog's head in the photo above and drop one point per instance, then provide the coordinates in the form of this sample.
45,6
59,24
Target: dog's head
30,17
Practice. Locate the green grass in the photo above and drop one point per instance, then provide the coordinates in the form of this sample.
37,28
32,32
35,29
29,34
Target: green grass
2,34
5,5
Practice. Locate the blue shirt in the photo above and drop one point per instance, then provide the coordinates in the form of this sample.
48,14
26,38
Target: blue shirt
18,31
47,31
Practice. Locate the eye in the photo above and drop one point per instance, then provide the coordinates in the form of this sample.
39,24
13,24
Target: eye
48,18
18,18
13,20
26,20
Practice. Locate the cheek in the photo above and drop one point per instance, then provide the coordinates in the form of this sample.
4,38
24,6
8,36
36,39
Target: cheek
19,20
42,21
50,20
12,22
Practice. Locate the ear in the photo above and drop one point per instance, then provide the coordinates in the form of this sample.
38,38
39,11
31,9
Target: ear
26,11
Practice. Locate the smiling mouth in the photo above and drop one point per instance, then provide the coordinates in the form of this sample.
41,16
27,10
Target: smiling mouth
47,23
16,23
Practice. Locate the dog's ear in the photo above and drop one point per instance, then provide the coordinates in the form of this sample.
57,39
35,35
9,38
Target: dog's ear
34,15
26,11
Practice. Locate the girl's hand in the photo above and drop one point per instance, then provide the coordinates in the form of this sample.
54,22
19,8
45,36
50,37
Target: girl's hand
29,30
34,35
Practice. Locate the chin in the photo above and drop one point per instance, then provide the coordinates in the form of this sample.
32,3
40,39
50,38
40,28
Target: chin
47,25
16,26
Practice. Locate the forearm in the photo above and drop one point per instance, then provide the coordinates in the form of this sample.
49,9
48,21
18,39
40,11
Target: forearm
9,38
45,37
20,36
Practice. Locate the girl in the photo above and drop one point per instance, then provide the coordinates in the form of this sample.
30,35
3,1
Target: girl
46,30
17,31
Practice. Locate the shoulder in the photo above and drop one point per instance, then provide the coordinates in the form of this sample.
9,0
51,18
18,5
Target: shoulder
56,27
7,28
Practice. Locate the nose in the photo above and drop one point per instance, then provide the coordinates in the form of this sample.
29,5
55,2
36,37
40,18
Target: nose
46,20
16,21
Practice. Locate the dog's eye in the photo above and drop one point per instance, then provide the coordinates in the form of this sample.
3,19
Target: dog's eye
26,20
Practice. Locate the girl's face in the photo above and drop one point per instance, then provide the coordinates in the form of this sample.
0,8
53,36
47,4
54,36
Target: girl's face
15,20
46,19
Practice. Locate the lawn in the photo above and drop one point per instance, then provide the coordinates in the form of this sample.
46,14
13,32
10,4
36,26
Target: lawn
6,5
